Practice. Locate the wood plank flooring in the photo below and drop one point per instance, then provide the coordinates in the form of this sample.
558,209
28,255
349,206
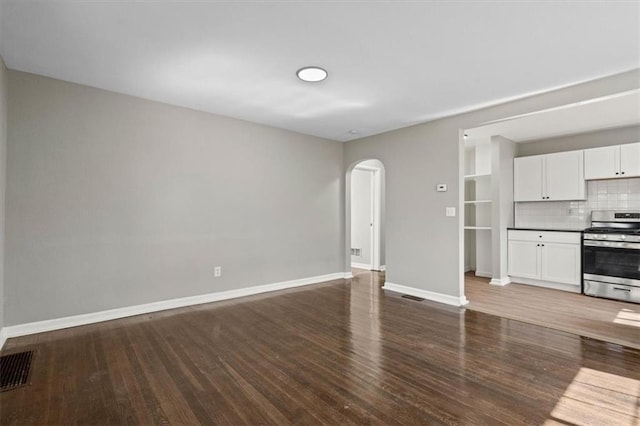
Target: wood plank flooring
608,320
343,352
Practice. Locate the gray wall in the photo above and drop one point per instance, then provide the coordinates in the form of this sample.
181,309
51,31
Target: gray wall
115,201
423,246
3,150
606,137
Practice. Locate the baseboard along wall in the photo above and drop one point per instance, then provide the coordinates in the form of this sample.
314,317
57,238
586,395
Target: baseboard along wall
425,294
111,314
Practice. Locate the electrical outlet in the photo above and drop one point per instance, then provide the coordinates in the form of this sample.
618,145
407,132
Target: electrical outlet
217,271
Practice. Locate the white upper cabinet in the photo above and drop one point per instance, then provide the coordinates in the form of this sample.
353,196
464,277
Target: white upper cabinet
630,160
528,178
601,163
564,173
550,177
612,161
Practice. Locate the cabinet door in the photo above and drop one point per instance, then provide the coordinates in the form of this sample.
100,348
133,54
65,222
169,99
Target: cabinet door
630,160
564,176
524,259
602,163
561,263
527,178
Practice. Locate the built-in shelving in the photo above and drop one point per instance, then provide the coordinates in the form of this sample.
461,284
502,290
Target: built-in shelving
478,198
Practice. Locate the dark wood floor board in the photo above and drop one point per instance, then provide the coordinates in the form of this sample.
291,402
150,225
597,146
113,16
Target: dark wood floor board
128,393
344,352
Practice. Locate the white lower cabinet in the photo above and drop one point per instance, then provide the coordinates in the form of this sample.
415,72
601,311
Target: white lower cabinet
524,259
545,258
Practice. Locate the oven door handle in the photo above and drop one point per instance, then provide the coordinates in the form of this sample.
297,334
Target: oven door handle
612,244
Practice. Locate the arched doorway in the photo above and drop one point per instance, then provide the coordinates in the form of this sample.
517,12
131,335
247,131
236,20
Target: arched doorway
365,216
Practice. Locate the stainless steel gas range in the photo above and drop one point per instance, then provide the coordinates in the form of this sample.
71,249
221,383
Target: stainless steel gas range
611,256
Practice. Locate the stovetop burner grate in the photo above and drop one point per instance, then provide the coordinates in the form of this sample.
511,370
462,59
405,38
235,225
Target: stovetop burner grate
607,230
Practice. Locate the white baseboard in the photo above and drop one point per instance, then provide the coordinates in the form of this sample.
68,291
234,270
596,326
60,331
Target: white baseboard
484,274
348,275
572,288
3,337
383,268
425,294
500,281
468,269
84,319
361,266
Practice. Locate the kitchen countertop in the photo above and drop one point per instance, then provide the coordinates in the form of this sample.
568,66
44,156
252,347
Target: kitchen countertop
544,229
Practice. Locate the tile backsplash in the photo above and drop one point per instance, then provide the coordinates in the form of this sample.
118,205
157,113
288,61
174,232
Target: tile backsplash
612,194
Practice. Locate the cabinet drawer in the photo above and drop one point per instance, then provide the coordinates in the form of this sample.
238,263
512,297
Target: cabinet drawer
545,236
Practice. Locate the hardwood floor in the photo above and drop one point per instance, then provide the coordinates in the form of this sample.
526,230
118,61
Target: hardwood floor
343,352
608,320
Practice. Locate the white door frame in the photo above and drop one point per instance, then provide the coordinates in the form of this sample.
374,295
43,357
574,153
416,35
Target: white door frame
376,197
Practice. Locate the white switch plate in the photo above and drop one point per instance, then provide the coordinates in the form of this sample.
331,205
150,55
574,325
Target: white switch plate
217,271
441,187
451,211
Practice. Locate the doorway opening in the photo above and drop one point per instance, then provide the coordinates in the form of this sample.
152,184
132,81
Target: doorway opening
366,216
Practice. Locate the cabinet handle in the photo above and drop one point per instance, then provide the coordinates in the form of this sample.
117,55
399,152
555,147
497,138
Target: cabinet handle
622,289
622,173
542,245
617,173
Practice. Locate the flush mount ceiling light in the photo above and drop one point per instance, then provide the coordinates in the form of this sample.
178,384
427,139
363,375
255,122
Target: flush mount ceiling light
311,74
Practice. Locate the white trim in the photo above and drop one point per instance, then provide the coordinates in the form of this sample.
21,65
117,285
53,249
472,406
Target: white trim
372,219
3,336
500,281
76,320
348,275
376,213
573,288
361,265
425,294
461,218
561,107
468,269
366,168
382,268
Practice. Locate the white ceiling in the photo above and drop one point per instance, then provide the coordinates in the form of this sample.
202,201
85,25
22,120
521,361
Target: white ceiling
391,63
620,110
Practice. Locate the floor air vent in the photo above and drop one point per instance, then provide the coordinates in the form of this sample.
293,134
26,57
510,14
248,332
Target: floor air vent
14,370
408,296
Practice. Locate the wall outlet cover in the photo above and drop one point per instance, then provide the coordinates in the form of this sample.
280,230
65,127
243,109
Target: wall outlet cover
441,187
451,211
